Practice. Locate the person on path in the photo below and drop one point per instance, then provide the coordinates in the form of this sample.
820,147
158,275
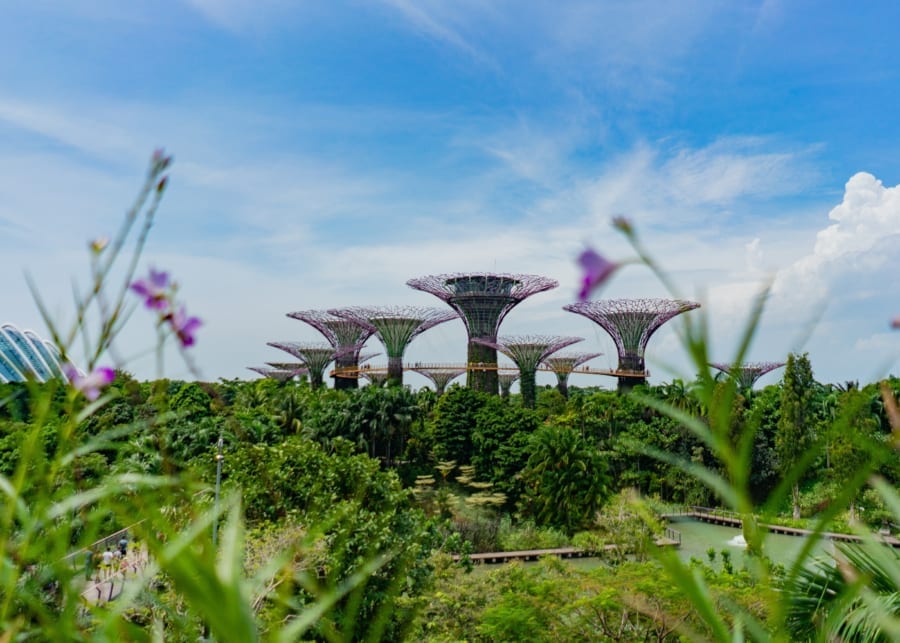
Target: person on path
107,562
89,563
123,546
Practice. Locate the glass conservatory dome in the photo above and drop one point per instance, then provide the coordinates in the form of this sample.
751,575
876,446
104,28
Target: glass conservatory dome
24,355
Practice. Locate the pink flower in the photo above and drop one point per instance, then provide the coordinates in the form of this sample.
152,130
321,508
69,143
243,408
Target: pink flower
597,269
154,289
91,384
184,326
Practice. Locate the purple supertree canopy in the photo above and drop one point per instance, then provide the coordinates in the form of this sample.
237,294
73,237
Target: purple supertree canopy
376,378
565,363
746,374
339,331
273,373
315,356
482,299
631,323
395,326
439,376
365,357
506,381
527,351
296,367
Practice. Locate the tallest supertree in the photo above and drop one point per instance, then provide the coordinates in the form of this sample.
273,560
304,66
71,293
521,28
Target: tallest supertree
482,300
631,323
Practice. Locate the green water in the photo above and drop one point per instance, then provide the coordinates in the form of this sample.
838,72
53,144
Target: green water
697,537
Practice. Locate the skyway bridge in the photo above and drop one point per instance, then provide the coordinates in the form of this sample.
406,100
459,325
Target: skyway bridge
355,373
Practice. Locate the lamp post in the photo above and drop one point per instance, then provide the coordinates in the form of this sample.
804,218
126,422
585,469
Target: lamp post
219,458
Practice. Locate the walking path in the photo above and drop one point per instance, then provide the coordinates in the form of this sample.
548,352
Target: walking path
107,583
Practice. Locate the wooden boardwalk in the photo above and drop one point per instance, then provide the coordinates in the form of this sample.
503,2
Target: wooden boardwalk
499,557
730,519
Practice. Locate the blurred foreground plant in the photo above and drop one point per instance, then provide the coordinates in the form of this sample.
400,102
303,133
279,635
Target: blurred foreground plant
51,515
854,596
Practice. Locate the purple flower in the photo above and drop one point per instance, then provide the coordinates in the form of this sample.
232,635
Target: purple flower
154,289
184,326
895,324
597,269
90,385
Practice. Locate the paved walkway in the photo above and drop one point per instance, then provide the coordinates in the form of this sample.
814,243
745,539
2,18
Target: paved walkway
106,585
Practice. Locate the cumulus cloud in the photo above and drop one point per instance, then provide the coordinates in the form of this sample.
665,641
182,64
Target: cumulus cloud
862,239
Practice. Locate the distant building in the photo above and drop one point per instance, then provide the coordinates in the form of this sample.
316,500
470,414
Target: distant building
24,355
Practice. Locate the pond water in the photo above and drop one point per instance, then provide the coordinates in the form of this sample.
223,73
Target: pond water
697,537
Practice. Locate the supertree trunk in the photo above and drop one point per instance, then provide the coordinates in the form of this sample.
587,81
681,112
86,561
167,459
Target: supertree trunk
528,387
348,362
482,375
395,371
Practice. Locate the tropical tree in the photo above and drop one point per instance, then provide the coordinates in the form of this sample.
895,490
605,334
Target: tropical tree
796,424
565,479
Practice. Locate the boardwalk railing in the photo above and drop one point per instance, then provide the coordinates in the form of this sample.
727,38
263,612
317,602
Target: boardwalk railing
673,535
76,558
732,518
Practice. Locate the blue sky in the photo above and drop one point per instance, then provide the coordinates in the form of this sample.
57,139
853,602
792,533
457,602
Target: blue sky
325,152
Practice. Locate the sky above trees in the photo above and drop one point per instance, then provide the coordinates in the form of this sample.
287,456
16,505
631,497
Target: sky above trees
327,152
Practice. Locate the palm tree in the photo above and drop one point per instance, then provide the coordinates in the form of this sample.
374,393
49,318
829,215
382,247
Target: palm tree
855,597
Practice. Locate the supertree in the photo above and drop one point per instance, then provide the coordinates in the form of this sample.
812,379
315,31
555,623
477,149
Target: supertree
528,351
315,356
563,365
506,381
376,378
297,367
344,335
482,300
395,327
746,374
440,377
276,374
631,323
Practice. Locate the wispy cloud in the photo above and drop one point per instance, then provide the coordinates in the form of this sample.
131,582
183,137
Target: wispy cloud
436,21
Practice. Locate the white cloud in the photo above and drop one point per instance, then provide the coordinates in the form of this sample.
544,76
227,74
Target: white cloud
862,240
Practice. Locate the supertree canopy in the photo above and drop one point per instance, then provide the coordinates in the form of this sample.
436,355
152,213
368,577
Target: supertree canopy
746,374
342,334
439,376
482,300
315,356
562,365
396,327
528,351
297,368
506,382
376,378
273,373
631,323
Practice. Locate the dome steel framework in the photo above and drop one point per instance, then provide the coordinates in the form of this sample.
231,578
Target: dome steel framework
631,323
528,351
344,335
563,365
482,300
746,374
395,327
25,356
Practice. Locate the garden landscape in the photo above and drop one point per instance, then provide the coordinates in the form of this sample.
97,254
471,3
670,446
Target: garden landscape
397,366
